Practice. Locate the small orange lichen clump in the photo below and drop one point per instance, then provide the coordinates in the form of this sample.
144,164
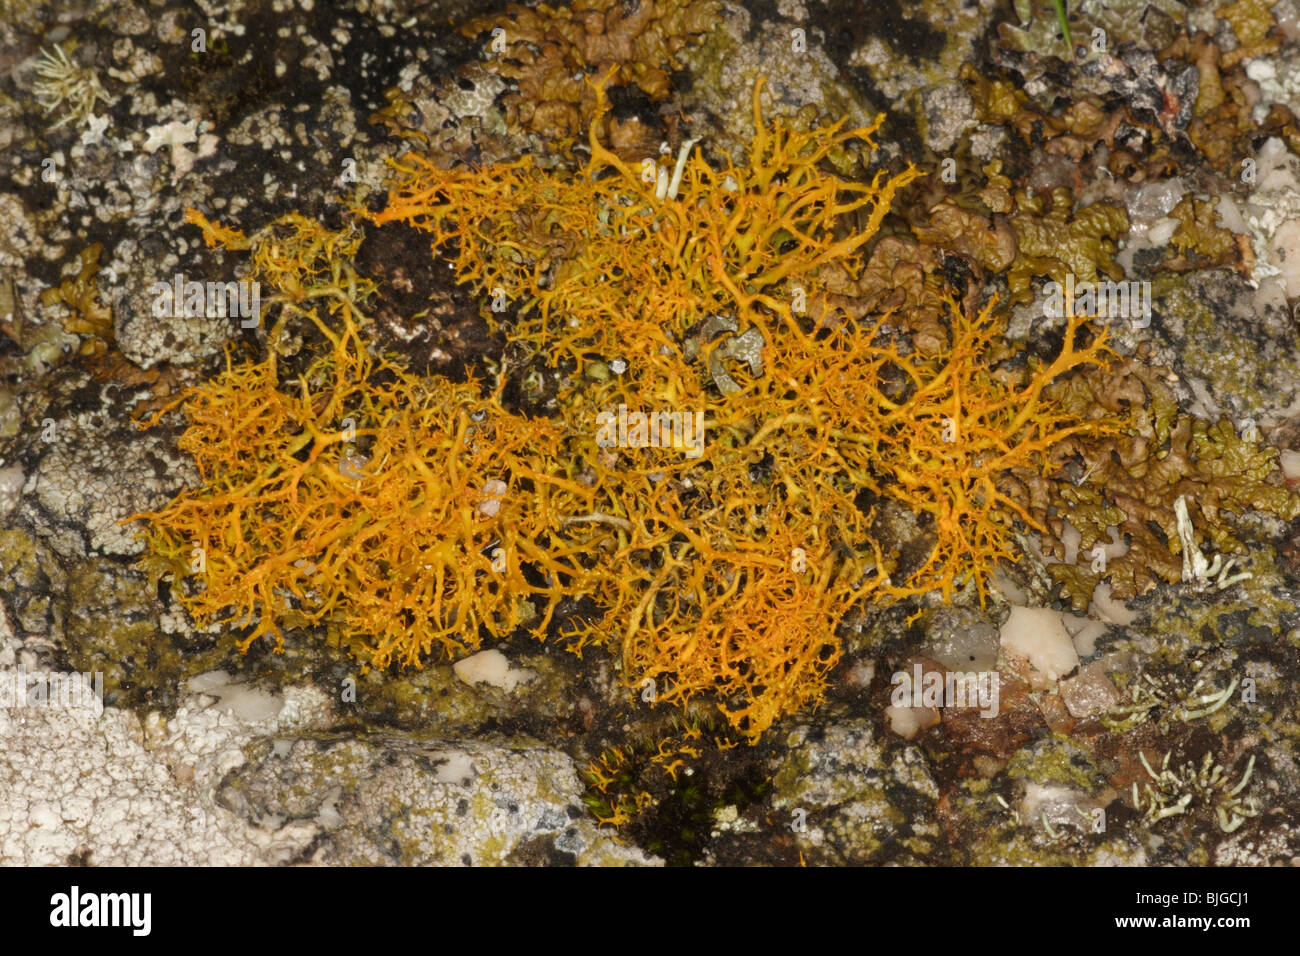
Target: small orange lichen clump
620,779
969,431
724,412
356,495
606,262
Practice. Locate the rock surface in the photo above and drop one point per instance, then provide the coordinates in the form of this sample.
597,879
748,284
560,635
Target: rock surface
200,755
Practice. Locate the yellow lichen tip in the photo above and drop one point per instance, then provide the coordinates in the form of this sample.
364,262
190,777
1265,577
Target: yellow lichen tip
214,234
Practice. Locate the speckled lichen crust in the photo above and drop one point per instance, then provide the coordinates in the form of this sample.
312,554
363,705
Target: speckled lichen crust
95,785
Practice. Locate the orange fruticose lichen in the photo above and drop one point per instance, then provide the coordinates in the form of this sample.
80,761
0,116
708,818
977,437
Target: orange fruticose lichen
969,432
620,779
358,495
721,566
395,542
729,570
601,256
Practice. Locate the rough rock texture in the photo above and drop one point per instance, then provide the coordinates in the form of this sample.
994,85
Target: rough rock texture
92,784
853,799
391,799
789,52
1236,361
961,639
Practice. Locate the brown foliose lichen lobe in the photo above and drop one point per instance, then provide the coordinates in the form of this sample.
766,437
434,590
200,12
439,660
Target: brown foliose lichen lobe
1130,486
549,52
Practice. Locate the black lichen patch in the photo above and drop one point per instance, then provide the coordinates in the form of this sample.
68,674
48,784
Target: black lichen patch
847,28
541,851
681,825
421,313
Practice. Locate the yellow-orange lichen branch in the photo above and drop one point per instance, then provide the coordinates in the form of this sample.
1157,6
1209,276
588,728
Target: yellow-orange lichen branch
721,569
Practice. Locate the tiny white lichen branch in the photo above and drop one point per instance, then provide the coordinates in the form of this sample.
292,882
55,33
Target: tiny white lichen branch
668,189
1196,569
62,81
